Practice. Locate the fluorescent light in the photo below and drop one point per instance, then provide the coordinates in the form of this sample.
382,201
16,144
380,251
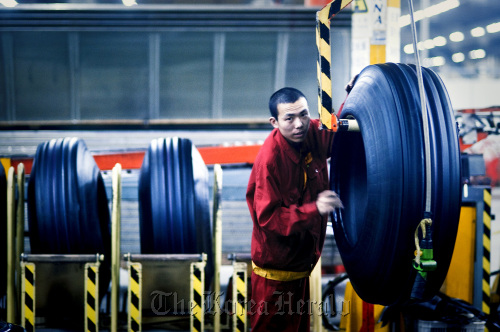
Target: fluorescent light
434,61
456,36
494,27
441,7
408,49
9,3
430,11
477,54
425,45
429,44
477,32
458,57
129,3
439,41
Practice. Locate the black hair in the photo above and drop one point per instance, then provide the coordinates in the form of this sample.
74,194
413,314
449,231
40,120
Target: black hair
283,96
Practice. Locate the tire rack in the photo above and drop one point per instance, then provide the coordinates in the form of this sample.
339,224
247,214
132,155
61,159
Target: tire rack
25,267
159,271
88,265
44,268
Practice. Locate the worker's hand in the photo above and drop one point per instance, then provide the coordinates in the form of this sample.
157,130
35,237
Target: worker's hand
327,202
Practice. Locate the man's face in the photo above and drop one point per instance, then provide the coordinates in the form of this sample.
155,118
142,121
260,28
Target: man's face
293,120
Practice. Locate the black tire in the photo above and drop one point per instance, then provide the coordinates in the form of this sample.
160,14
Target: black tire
173,200
68,210
379,174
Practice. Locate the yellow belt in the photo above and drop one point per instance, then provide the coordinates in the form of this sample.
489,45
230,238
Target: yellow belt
279,275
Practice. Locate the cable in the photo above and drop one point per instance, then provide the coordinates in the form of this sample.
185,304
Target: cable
428,182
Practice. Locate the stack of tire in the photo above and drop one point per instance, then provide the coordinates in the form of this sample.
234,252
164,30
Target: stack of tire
68,210
380,175
174,210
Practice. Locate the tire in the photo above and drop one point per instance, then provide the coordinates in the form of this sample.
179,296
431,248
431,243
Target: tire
173,201
68,210
379,174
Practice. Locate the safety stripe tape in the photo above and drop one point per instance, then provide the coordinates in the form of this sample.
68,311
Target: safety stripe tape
486,250
325,105
134,296
29,297
92,297
197,306
241,291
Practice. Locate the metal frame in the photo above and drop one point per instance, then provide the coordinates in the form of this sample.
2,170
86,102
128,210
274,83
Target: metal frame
91,285
137,263
239,296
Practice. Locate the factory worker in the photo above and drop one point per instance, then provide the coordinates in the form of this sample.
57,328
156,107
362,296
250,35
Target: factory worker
289,202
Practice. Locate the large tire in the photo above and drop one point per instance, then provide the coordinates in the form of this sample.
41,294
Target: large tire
173,200
68,210
379,174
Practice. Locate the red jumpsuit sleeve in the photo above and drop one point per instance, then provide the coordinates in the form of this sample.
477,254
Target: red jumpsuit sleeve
272,213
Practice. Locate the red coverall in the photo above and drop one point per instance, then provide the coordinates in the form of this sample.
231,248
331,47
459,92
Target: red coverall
288,232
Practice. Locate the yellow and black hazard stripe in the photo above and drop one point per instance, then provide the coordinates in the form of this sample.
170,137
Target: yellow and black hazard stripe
197,306
486,250
28,296
325,105
135,306
92,297
241,300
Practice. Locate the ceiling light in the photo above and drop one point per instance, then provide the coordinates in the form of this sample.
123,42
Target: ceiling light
420,46
439,41
430,11
441,7
8,3
477,32
456,36
129,3
434,62
408,49
492,28
429,44
458,57
477,54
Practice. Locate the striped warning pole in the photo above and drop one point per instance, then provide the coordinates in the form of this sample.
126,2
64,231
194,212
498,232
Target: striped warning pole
239,296
91,297
197,287
323,17
28,296
486,250
134,297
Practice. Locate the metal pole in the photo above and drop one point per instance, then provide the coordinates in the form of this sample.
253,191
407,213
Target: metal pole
11,268
217,242
115,245
423,105
19,232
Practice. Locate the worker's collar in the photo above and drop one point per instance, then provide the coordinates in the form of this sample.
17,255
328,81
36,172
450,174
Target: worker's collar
291,149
